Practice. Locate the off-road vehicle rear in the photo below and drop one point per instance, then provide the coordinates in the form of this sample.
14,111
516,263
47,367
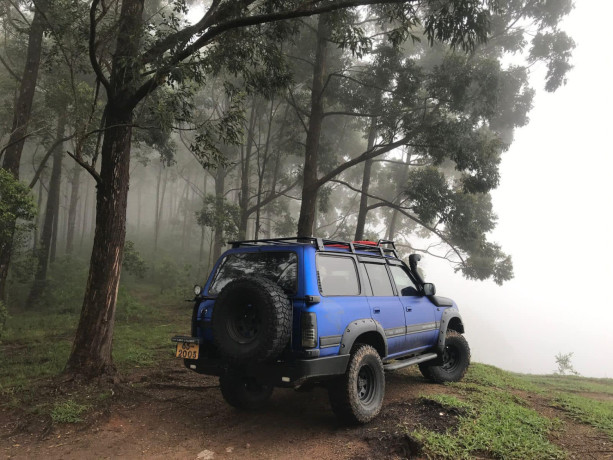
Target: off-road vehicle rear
296,312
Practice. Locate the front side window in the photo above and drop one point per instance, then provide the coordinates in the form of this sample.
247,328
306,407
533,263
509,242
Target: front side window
337,276
279,267
403,282
379,280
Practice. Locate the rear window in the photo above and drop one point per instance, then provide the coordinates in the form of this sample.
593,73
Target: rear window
279,267
337,276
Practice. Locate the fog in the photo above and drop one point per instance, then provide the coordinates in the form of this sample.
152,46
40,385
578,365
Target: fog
553,203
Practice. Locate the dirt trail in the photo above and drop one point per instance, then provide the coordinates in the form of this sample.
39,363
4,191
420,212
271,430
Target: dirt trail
175,413
172,413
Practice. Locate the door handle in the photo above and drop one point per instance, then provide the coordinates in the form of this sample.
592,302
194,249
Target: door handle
409,309
377,310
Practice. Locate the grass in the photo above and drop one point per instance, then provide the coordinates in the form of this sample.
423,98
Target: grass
495,422
36,344
484,375
599,414
68,411
570,383
33,349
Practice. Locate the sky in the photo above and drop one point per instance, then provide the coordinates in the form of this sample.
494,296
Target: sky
554,207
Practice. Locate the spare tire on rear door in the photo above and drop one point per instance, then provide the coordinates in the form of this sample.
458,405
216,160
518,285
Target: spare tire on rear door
251,319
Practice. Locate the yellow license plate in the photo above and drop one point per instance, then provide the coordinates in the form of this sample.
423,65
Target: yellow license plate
187,350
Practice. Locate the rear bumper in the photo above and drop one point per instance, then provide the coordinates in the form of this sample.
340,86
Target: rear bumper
285,373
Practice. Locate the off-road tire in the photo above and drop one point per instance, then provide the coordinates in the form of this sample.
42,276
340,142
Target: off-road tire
425,370
454,362
243,392
252,320
357,396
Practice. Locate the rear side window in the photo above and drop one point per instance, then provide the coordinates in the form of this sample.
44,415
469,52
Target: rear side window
337,276
279,267
379,280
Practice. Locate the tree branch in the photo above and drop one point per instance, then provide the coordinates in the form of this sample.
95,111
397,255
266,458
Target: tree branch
92,49
236,23
402,210
43,162
350,114
294,104
183,35
8,68
271,197
87,167
372,153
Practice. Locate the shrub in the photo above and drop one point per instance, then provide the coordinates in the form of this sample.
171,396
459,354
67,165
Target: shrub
133,263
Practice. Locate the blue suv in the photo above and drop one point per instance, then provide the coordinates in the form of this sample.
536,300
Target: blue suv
296,312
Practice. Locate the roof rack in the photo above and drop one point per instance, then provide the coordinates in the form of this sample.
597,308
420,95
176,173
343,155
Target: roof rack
323,245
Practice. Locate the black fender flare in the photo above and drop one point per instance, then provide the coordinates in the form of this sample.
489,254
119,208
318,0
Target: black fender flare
358,327
449,315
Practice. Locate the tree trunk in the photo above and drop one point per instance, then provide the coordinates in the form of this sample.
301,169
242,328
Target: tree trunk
39,205
86,209
56,227
186,216
91,351
401,179
21,119
361,223
276,170
72,209
243,200
51,216
159,205
156,214
139,207
310,186
219,205
201,252
262,170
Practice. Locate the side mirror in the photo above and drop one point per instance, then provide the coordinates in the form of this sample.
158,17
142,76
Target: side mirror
409,291
429,289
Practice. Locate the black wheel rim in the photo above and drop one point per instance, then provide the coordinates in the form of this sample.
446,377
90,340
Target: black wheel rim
244,322
451,358
366,384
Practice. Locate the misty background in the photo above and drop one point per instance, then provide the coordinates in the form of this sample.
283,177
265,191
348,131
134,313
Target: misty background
554,217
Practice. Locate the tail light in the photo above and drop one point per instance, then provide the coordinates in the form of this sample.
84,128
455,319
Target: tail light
308,325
